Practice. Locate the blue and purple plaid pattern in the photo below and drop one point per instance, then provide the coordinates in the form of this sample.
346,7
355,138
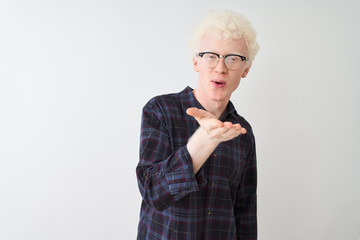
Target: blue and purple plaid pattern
219,202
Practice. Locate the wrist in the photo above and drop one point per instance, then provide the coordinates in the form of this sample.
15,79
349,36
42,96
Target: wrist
200,146
201,139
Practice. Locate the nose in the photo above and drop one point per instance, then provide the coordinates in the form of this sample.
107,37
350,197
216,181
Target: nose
221,67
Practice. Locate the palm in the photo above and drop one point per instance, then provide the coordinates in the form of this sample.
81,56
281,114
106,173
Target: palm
223,131
206,119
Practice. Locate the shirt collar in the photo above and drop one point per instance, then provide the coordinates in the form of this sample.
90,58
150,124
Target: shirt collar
188,100
229,112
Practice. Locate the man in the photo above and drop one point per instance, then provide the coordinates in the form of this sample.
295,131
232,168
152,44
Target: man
197,170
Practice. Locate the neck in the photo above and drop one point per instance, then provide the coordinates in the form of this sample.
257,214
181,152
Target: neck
215,107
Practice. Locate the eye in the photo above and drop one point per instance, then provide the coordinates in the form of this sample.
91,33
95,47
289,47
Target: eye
210,56
233,58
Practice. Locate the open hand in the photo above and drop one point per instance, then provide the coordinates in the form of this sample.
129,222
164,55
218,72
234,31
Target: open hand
216,129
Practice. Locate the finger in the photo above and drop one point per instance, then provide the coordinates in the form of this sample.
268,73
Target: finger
243,131
227,132
196,113
210,124
237,126
192,111
220,124
218,132
228,124
231,133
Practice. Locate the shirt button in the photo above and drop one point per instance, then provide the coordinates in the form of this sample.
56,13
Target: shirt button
212,184
209,213
214,154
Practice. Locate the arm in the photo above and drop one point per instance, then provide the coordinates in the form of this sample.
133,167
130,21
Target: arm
209,135
246,200
163,176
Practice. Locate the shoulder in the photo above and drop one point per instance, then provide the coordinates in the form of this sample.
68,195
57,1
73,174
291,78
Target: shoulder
166,104
249,137
235,117
245,124
163,102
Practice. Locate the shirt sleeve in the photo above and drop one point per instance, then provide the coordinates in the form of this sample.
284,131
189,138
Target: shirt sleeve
246,200
164,174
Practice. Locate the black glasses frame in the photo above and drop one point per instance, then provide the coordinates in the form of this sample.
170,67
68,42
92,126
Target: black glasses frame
201,54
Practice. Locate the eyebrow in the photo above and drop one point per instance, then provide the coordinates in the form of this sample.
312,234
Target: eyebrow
243,58
233,53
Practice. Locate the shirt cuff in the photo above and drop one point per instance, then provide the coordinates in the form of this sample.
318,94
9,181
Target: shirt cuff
179,174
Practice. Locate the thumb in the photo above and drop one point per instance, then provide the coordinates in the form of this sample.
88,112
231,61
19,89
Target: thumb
194,112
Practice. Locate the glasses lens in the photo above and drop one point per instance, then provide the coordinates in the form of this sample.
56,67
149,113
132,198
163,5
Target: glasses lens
233,62
210,59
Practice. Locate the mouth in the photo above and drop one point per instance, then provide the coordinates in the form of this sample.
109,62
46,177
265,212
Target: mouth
218,83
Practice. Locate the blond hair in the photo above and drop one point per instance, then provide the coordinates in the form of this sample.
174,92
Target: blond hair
226,25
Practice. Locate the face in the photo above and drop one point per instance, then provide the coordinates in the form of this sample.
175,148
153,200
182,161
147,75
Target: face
217,84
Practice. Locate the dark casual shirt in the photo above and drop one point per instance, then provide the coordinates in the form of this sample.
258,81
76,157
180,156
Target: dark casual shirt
219,202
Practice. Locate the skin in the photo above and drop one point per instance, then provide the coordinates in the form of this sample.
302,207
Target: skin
214,97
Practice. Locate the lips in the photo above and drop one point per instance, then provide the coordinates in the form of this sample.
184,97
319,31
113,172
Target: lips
218,83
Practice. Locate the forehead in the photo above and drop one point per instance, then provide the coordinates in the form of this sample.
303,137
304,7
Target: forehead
222,46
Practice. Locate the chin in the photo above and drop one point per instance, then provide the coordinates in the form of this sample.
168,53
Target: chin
218,98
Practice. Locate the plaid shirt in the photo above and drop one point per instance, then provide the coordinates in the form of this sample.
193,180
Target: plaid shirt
219,202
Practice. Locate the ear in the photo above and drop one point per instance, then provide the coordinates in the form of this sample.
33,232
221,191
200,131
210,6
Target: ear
246,71
195,64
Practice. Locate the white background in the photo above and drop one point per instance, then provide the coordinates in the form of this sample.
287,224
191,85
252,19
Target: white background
74,76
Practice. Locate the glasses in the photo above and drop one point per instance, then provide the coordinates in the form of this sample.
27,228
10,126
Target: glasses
232,61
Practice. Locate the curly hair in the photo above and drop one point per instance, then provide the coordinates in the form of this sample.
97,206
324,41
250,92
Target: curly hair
225,25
